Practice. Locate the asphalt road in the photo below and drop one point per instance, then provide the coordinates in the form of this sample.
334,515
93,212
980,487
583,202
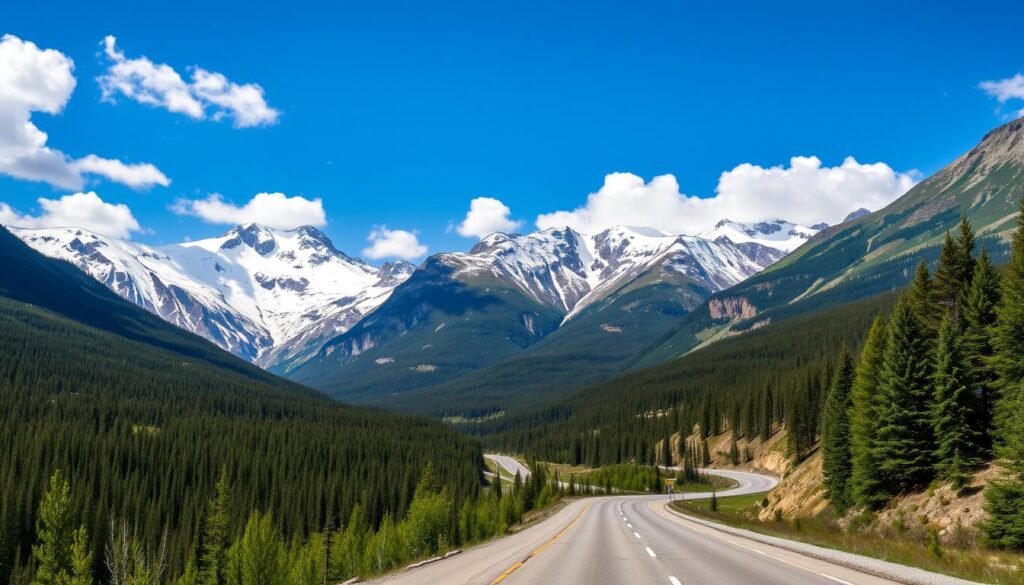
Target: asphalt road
510,464
631,540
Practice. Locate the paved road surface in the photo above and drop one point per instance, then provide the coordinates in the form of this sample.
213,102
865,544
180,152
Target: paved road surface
631,540
510,464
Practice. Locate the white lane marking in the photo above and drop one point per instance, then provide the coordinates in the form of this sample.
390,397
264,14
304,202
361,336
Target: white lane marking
836,579
674,581
650,552
630,525
636,534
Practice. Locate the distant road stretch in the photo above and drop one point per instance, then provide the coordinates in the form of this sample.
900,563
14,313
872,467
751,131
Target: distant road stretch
631,540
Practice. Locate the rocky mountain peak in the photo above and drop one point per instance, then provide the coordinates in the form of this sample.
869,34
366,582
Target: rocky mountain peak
254,235
857,214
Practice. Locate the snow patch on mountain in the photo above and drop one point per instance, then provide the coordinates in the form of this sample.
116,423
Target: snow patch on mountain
267,295
569,271
779,234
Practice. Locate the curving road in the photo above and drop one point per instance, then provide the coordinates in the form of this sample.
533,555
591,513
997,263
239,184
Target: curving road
510,464
633,540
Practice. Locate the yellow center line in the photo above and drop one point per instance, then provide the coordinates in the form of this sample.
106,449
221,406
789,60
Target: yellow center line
538,550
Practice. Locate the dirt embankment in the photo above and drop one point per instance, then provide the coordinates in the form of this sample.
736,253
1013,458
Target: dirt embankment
800,493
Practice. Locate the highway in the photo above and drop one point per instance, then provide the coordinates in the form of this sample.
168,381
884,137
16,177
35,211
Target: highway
510,464
632,540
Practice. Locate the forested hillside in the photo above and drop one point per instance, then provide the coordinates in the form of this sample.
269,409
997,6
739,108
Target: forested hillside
875,253
142,419
757,379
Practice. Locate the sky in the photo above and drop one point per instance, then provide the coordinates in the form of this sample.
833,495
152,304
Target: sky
403,129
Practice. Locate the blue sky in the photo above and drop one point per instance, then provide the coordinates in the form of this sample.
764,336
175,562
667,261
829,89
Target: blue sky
400,114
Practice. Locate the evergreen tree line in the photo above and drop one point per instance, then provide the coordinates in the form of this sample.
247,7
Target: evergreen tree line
142,434
937,390
262,555
750,386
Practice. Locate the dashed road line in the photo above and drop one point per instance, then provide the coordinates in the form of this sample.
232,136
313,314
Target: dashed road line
650,552
674,581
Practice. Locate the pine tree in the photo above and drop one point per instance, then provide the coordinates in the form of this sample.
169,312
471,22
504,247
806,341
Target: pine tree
865,404
966,242
979,313
956,270
904,444
953,409
836,450
921,298
81,559
56,534
217,533
260,554
1005,497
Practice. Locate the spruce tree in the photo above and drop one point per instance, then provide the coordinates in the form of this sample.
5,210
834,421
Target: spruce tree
947,280
217,533
81,559
904,445
979,315
966,242
260,554
836,451
953,412
56,533
865,404
1005,496
921,298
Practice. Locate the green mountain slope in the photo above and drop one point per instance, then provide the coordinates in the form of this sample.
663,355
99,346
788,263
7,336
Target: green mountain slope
601,341
434,328
621,419
141,417
873,254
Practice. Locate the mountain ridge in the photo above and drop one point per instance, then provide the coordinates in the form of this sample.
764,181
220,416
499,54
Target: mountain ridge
262,294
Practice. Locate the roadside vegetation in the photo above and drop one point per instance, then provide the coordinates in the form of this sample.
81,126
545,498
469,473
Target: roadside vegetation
434,524
910,543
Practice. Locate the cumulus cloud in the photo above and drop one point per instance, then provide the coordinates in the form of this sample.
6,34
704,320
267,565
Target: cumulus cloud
386,243
81,210
487,215
804,192
42,80
275,210
137,176
1004,90
208,94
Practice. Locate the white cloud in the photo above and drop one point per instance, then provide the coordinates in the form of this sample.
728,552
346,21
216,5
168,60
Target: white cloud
486,216
1004,90
137,176
805,192
385,243
159,85
275,210
38,80
81,210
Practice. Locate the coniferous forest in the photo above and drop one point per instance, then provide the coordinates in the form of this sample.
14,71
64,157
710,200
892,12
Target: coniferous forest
937,391
133,452
896,391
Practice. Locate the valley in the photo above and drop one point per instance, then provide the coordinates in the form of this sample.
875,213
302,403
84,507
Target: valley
511,294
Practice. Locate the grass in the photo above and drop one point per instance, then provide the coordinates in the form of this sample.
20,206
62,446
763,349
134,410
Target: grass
715,483
909,544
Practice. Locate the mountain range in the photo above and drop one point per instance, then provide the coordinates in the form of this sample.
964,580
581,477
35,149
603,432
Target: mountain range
552,293
268,296
292,303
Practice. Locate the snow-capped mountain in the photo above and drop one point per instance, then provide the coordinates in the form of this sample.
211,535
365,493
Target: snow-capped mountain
777,234
266,295
568,270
